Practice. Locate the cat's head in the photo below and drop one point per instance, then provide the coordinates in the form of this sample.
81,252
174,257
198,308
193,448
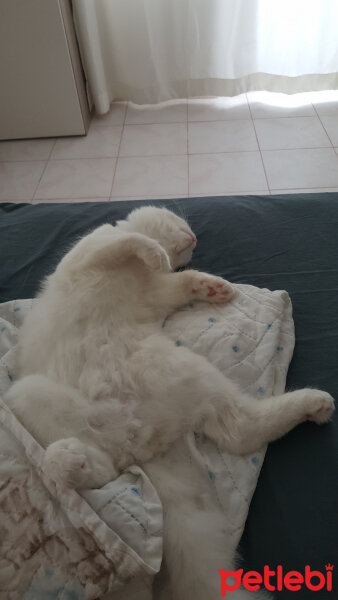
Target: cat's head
162,225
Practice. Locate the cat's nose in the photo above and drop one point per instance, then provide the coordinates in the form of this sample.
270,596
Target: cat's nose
194,240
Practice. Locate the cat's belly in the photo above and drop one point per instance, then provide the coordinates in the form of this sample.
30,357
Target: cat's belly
98,362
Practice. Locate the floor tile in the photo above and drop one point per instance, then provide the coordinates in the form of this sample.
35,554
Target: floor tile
295,134
154,140
80,178
269,105
19,150
326,103
312,168
115,116
221,136
166,112
291,132
19,180
330,123
221,173
151,175
100,142
218,109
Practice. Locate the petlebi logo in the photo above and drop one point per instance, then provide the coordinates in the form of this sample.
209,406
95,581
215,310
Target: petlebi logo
277,580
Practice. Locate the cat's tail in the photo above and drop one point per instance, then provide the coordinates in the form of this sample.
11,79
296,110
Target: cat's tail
195,548
196,542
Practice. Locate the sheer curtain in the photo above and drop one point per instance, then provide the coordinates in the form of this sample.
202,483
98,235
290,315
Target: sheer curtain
148,51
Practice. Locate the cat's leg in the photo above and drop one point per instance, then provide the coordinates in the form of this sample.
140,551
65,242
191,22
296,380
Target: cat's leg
174,290
54,414
244,424
71,463
104,249
181,390
258,422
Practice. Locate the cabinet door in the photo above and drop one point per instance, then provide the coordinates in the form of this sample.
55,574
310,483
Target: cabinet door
40,95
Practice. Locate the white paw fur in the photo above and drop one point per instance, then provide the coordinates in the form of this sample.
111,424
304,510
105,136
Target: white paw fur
321,406
155,257
65,463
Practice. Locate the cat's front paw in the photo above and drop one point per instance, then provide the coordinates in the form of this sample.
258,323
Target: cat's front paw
320,406
155,257
65,463
212,289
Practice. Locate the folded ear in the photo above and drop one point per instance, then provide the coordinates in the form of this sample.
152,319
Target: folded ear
106,249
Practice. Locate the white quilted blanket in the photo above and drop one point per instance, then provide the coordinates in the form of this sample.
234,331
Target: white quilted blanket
82,546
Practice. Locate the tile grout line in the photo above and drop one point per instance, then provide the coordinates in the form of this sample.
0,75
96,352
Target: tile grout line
259,147
290,149
43,172
193,121
274,118
172,155
225,120
322,124
118,151
221,152
181,154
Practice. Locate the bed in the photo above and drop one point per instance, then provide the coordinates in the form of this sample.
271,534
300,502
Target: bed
279,242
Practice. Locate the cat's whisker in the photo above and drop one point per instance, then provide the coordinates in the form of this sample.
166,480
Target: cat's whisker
182,212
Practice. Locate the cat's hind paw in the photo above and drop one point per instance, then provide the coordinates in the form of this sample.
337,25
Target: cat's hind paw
65,463
321,406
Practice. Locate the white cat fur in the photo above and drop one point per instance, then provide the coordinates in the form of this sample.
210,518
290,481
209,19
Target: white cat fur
102,387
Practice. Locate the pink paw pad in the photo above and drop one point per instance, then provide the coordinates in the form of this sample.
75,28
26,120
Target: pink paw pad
212,291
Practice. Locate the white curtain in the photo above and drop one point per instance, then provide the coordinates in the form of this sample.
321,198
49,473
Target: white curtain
148,51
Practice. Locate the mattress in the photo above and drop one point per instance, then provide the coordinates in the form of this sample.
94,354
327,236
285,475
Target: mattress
278,242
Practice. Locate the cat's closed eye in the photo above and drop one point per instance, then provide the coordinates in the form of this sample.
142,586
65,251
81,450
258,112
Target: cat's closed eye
187,240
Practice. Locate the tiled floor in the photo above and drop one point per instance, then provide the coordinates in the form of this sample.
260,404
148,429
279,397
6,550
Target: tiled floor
254,143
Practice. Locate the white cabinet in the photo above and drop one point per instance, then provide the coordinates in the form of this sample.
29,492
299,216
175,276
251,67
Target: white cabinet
42,90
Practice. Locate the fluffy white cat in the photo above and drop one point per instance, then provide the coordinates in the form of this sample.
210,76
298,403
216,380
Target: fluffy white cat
102,387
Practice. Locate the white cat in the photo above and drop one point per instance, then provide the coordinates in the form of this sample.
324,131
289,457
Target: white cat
102,387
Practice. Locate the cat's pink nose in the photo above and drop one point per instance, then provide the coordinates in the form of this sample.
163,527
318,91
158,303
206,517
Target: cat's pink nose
194,239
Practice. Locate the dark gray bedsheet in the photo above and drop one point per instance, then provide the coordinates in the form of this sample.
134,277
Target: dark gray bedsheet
280,242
